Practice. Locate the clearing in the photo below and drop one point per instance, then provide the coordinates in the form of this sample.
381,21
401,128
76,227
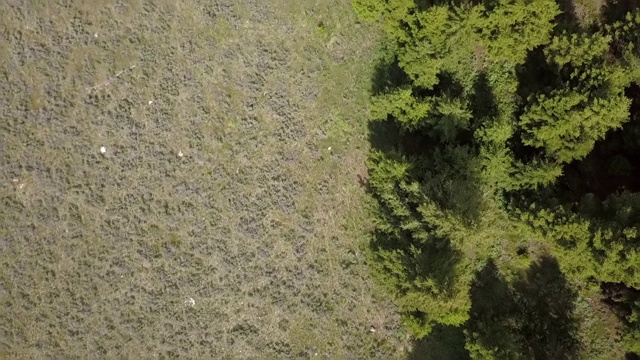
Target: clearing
180,179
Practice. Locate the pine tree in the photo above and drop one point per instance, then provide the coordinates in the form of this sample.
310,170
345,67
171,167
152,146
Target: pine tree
568,123
478,165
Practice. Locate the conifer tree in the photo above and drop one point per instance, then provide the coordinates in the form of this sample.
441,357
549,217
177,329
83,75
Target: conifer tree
499,100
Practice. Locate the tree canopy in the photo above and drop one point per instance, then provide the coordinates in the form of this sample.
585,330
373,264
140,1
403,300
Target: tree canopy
506,152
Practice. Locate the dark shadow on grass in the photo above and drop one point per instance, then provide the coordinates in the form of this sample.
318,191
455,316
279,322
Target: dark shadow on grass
546,302
483,105
624,301
567,19
443,343
492,310
616,10
621,298
483,102
531,319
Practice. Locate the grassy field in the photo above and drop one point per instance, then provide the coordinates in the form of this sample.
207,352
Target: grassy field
225,218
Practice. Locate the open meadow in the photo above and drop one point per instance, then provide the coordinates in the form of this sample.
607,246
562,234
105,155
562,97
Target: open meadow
225,216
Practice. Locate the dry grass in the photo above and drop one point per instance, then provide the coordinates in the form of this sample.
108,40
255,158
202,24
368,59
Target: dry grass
258,222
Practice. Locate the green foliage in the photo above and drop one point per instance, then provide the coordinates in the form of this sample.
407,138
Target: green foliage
369,10
450,117
625,35
402,106
587,102
577,49
534,174
498,102
513,28
567,123
422,268
425,54
632,341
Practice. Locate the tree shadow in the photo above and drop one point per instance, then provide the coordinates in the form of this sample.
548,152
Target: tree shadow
493,310
437,261
387,75
621,298
445,173
531,319
484,103
484,107
572,17
567,20
631,356
624,301
443,343
407,265
535,76
615,10
546,303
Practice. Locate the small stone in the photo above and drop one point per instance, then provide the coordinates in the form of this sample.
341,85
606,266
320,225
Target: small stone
372,329
180,154
190,302
329,148
103,149
95,35
150,102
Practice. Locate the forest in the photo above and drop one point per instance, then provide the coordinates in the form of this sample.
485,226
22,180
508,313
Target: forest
506,175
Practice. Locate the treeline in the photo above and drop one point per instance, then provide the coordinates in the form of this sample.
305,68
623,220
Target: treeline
506,172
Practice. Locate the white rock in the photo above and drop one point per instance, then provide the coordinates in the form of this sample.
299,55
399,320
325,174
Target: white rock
180,154
190,302
150,102
103,149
